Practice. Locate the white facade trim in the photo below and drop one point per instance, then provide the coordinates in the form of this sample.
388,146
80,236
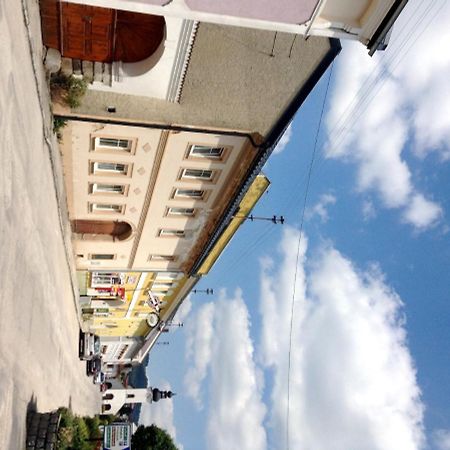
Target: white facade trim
183,53
345,28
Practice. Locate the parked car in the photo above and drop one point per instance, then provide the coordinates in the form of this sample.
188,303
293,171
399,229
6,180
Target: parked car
88,346
94,365
105,386
99,378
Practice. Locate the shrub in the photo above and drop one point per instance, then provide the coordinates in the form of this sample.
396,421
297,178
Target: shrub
70,89
58,125
74,431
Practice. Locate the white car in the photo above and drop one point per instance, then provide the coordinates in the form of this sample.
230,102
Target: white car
88,346
99,378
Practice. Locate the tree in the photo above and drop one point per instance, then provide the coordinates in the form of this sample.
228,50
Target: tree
152,438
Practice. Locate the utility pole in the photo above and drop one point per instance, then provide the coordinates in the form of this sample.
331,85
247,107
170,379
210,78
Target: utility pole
274,219
207,291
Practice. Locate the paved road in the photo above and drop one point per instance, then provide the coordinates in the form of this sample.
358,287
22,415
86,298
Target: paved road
38,319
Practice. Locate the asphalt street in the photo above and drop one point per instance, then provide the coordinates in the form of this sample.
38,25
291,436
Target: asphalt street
39,367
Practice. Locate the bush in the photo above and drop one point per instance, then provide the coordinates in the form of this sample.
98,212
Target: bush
70,89
58,125
74,431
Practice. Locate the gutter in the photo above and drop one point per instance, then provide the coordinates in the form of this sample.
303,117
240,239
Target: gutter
377,40
266,149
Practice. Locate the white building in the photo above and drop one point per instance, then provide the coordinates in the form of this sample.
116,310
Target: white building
117,395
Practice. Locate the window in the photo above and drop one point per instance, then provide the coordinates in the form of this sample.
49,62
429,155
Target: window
162,258
102,256
108,143
177,211
189,193
105,207
198,174
97,188
104,279
171,233
203,151
162,285
109,168
168,276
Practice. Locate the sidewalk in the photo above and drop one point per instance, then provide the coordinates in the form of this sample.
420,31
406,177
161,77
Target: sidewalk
32,22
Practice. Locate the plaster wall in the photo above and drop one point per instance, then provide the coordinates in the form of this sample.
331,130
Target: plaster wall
237,79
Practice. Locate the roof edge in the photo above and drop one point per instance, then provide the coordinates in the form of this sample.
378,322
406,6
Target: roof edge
385,26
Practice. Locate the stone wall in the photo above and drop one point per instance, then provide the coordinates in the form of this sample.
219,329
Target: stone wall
42,430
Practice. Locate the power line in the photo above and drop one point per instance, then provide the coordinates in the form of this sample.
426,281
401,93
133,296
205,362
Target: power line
373,83
298,254
343,132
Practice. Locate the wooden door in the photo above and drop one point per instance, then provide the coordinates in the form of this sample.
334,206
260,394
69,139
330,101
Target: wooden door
98,34
87,32
50,16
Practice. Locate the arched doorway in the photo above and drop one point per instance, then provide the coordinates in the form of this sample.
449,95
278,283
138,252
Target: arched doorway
114,228
98,34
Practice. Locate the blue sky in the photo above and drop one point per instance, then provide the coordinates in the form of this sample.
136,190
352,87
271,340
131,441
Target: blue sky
370,360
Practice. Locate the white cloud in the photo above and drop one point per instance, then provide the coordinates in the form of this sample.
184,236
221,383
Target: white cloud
160,414
236,411
441,439
320,208
183,310
284,141
353,382
409,108
422,212
198,349
368,210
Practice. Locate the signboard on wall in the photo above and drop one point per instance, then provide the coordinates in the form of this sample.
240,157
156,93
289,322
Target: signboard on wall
117,436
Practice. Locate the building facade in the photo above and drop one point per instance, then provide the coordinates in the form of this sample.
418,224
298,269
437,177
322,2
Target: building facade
156,188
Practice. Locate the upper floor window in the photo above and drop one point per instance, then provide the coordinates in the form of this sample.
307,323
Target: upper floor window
106,207
171,233
199,174
162,258
99,168
98,188
189,193
102,256
177,211
103,279
108,143
203,151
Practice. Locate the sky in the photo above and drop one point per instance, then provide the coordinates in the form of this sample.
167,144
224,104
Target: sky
335,337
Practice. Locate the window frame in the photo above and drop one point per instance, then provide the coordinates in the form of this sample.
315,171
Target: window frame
190,152
93,208
176,195
197,174
95,257
183,211
93,189
161,258
96,146
171,233
95,170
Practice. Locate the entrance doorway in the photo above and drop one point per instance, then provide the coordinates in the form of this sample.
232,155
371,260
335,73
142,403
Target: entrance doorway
98,34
